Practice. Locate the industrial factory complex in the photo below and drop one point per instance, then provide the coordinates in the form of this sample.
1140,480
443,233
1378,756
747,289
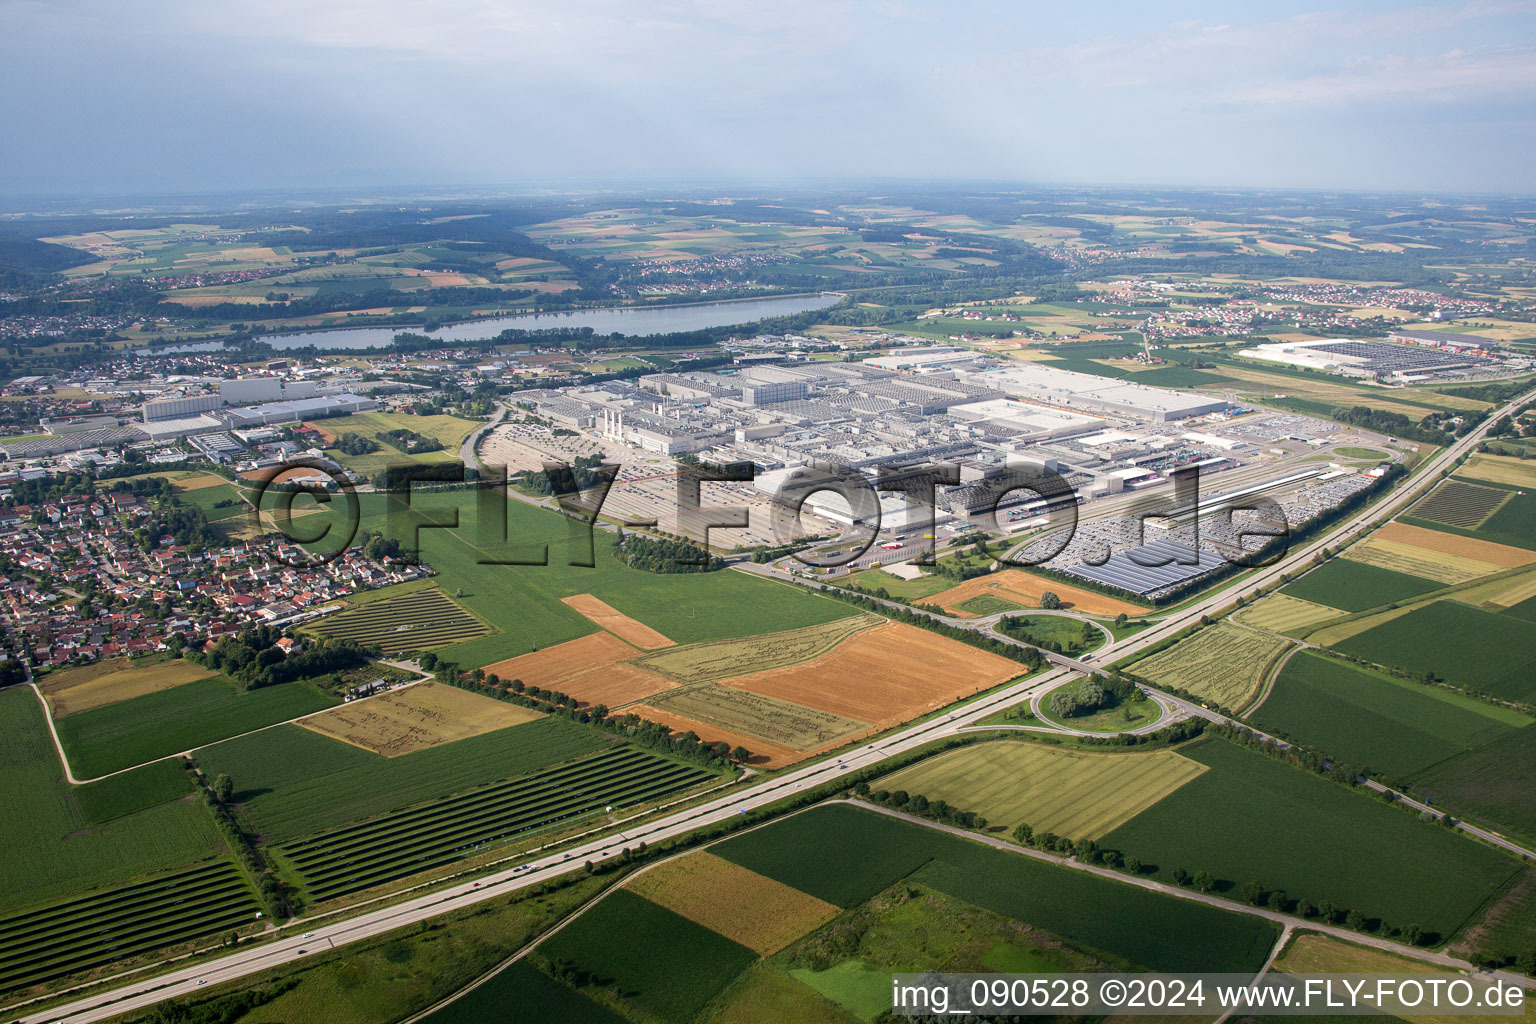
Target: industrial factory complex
1114,443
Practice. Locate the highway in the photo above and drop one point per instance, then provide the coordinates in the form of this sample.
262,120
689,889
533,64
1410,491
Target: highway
138,993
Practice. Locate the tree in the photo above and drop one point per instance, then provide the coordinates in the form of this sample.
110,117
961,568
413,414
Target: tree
741,755
1133,864
428,661
1413,934
1049,601
1205,881
1277,900
1328,911
1355,920
223,788
1253,892
1122,619
1023,834
1180,876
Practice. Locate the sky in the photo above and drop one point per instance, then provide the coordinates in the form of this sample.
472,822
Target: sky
164,96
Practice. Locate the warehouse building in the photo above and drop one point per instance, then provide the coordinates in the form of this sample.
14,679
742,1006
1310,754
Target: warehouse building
180,407
299,409
1087,393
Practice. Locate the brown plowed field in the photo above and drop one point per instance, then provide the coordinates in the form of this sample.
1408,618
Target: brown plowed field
1452,544
590,668
1026,588
616,622
885,675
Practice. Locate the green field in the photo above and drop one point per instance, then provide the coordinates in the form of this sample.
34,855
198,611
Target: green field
120,795
523,601
1465,646
653,959
206,498
1371,720
1353,586
989,604
160,724
1178,377
1043,630
523,994
291,783
55,845
1251,818
874,580
1491,784
846,856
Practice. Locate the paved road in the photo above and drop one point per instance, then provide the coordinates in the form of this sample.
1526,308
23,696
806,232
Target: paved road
135,994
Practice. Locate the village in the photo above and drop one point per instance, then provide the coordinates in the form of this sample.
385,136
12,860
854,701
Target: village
79,586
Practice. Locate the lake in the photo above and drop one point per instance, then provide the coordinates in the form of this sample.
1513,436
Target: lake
636,321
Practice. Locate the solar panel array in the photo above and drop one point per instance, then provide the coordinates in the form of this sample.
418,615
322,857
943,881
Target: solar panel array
1125,568
1382,357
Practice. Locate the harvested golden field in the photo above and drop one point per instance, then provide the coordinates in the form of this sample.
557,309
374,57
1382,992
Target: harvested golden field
107,682
764,753
1072,793
717,659
884,675
616,622
590,668
416,717
713,892
1500,469
1502,555
1282,613
1496,595
1400,556
1026,588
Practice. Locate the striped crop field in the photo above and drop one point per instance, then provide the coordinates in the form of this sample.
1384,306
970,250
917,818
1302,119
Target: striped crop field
1224,663
1453,503
104,927
1281,613
427,836
418,621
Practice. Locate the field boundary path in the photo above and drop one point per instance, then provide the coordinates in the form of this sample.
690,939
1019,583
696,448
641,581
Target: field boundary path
241,963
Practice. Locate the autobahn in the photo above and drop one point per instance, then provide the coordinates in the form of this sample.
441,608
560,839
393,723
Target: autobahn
143,992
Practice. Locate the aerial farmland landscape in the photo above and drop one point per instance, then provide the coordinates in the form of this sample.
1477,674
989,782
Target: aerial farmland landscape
712,514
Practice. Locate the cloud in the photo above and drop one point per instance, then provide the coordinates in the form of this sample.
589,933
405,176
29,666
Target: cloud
486,91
